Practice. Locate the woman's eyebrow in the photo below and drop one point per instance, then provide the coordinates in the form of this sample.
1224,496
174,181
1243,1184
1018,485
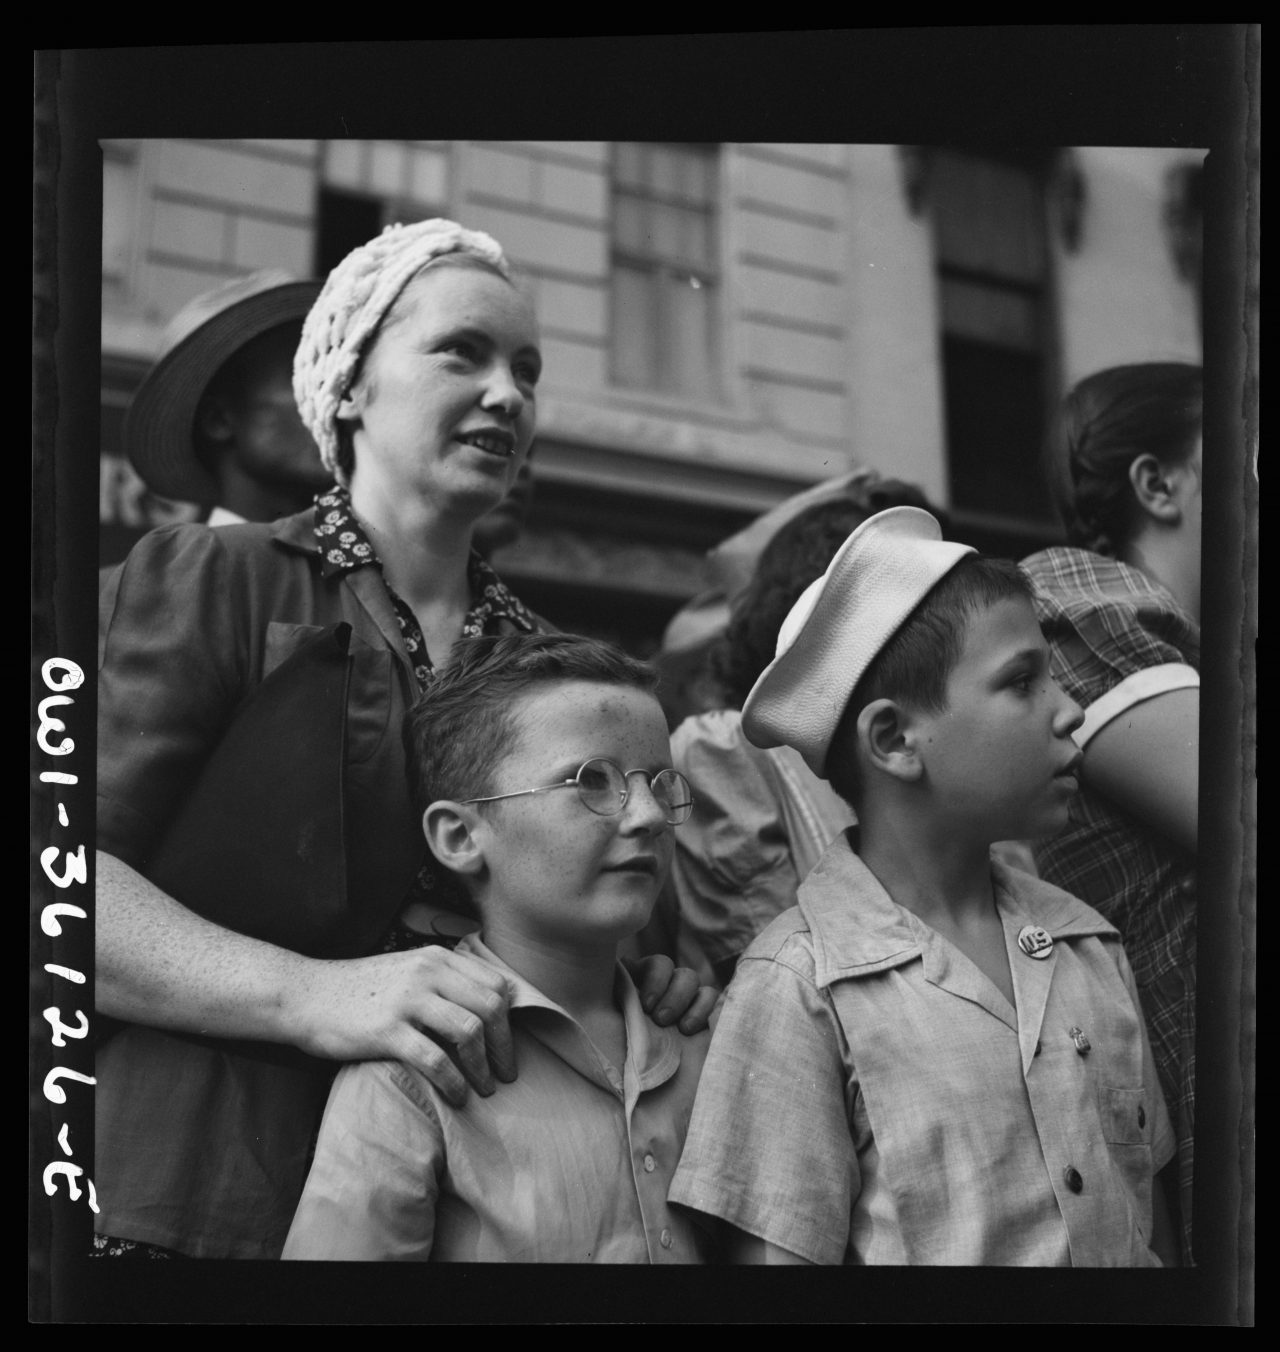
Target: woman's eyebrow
471,331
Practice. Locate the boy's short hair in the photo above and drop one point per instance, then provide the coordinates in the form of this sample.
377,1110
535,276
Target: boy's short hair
464,722
914,666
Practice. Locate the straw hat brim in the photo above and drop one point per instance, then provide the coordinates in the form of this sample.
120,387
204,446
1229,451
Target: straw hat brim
840,623
159,424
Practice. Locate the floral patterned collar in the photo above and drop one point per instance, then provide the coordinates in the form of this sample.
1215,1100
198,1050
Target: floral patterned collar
343,546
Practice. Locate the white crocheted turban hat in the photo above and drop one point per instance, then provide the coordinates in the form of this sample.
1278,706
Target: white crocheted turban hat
833,633
354,301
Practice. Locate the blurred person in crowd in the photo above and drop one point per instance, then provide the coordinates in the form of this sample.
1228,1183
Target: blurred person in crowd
255,836
214,422
1120,608
761,818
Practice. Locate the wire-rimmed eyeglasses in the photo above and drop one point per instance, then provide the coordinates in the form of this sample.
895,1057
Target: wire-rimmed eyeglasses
604,788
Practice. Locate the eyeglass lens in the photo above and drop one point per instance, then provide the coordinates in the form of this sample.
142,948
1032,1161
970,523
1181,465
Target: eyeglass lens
603,788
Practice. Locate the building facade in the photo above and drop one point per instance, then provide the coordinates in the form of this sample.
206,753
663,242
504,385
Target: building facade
723,324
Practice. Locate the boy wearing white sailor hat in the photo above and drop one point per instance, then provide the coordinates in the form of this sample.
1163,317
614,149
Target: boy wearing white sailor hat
933,1058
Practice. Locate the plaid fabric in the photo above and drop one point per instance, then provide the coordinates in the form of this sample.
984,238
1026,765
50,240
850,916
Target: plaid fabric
344,545
1105,621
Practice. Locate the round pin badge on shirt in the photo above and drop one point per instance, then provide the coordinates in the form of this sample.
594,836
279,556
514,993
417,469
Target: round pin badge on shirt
1035,942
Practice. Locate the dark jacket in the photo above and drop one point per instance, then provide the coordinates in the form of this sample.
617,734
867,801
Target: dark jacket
250,764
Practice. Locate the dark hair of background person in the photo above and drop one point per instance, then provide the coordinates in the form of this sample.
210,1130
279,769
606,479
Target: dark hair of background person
465,721
914,666
1106,422
796,556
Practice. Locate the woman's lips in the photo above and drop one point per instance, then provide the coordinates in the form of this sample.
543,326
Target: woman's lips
493,441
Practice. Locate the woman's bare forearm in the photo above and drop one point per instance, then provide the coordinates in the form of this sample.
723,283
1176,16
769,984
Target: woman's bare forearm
162,965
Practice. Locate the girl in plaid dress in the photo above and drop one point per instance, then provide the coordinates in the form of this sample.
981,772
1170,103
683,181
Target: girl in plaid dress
1120,609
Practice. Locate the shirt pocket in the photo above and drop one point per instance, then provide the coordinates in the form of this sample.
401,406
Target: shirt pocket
283,640
1126,1115
370,696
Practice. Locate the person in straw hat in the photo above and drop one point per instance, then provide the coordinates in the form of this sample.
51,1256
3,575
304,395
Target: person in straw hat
214,422
933,1058
255,837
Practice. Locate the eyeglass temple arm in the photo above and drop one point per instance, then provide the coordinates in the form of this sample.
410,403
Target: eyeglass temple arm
520,793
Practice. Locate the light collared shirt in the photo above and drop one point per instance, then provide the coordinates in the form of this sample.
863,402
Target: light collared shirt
761,820
570,1163
871,1097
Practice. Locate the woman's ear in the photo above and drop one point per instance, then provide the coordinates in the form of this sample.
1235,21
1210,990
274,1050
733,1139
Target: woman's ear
1155,491
351,404
885,737
450,829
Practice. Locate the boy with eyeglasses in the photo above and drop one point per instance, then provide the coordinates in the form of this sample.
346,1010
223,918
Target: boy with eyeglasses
540,767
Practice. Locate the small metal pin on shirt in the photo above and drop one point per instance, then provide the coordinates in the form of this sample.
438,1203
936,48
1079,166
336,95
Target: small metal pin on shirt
1082,1043
1035,942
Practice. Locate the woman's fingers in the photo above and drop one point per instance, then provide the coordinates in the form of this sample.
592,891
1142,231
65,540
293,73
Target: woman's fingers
669,993
442,1012
698,1015
465,1007
676,1002
430,1059
652,976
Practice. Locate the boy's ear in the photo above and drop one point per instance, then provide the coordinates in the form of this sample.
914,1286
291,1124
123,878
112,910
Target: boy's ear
885,736
1155,489
450,829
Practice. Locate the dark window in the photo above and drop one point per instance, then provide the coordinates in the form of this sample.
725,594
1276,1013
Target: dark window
344,221
997,339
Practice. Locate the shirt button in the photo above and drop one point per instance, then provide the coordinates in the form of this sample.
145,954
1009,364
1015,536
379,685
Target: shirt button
650,1164
1142,1117
1072,1176
665,1239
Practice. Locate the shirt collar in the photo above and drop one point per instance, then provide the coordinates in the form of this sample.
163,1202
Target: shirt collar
858,929
344,545
339,537
653,1053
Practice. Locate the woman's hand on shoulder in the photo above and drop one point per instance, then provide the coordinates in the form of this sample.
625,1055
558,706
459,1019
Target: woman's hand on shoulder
671,994
441,1012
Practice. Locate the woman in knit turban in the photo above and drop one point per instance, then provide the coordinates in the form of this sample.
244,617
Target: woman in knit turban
255,838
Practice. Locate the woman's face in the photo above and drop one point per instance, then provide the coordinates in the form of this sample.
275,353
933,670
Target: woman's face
443,410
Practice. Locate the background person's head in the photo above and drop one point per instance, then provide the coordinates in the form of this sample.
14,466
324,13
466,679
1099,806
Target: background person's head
214,422
798,554
420,342
533,709
1122,436
503,525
